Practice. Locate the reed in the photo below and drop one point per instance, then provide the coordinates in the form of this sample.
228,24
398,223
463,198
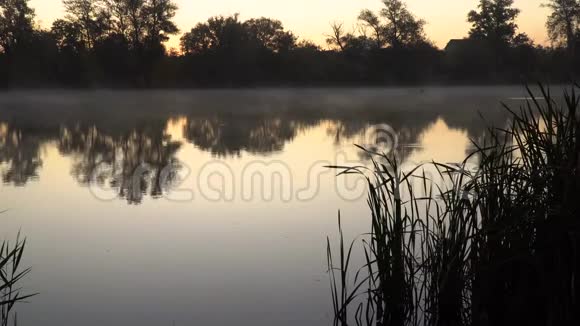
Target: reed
453,245
11,274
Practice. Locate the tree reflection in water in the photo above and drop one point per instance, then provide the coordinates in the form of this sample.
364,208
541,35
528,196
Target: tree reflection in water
20,158
138,162
136,155
230,137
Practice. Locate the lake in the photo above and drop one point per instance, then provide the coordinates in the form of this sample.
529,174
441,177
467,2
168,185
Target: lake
206,207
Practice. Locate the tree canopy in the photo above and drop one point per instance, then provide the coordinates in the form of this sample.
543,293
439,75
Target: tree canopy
495,21
563,22
122,43
16,24
229,33
398,26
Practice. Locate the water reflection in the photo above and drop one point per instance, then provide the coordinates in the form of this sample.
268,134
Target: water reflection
230,136
20,157
139,146
126,144
134,163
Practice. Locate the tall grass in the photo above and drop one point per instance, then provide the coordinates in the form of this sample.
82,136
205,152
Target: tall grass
11,274
498,244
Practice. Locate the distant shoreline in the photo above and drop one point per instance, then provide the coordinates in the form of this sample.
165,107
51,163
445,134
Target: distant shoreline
280,86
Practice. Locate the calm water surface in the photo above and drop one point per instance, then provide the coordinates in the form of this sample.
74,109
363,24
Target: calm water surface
205,207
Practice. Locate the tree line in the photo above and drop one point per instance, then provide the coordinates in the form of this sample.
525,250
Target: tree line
122,43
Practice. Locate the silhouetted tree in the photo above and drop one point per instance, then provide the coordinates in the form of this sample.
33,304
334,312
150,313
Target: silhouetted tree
522,39
307,45
91,17
218,32
239,52
68,35
349,43
122,43
563,22
158,15
128,20
230,33
16,24
198,40
270,34
337,38
378,30
495,22
72,50
220,49
400,27
158,26
118,64
26,54
117,40
387,46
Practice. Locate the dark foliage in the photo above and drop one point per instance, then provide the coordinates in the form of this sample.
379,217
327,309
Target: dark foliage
121,43
11,275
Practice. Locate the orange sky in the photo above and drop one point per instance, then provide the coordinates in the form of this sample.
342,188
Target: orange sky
310,19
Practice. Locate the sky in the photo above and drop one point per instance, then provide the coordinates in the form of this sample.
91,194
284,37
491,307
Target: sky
311,19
